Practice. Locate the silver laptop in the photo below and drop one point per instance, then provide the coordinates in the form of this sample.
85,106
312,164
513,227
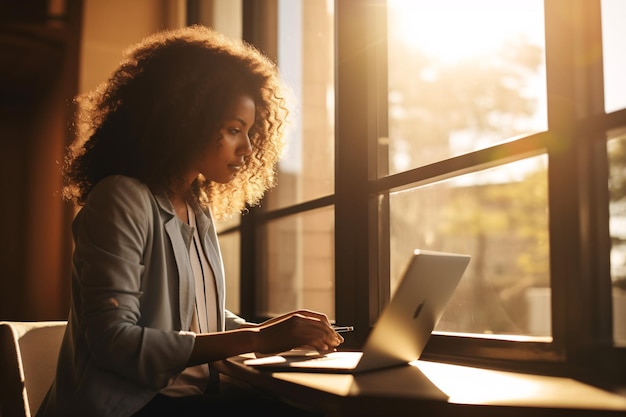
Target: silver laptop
402,329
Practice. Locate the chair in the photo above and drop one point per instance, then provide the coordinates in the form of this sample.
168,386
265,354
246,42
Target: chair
28,358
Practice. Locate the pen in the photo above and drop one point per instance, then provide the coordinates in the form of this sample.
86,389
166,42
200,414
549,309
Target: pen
342,329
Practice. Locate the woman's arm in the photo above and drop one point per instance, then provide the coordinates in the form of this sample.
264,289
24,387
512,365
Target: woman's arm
111,235
299,328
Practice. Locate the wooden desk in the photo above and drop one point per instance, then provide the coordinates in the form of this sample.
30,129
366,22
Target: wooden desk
432,389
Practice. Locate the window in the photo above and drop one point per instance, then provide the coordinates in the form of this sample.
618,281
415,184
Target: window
484,127
299,267
455,86
298,253
499,215
452,92
292,233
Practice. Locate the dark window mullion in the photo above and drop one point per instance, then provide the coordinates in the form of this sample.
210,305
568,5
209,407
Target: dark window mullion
380,210
595,240
578,314
259,29
507,152
355,254
563,194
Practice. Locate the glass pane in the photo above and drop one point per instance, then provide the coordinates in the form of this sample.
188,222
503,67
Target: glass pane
230,247
617,226
500,217
613,46
300,264
463,75
307,170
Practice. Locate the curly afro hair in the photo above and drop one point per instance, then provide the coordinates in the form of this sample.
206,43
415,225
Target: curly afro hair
164,102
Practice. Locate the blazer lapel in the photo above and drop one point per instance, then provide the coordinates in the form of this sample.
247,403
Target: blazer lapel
180,235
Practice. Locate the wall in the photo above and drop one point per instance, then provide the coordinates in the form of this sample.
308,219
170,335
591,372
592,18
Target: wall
44,63
38,58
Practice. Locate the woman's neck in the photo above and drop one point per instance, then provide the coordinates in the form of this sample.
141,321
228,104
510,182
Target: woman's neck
179,201
179,193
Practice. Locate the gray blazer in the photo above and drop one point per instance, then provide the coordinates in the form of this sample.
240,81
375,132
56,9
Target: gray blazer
132,301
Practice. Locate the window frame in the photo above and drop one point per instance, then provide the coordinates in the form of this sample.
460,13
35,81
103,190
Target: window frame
575,144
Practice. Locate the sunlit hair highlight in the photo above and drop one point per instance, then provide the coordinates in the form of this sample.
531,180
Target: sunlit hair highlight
162,105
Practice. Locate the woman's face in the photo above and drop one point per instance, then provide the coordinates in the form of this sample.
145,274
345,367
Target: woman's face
224,156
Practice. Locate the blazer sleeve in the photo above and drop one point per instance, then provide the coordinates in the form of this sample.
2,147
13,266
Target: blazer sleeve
111,235
233,321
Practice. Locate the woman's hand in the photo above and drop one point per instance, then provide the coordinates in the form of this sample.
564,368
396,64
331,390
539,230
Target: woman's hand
296,329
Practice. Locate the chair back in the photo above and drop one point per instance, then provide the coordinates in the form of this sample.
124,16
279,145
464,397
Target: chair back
28,357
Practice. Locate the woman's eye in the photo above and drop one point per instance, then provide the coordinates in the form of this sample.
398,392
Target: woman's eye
234,131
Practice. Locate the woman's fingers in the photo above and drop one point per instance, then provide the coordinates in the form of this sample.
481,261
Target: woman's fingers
311,330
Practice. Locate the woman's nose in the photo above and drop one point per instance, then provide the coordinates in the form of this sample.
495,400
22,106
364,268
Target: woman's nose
245,148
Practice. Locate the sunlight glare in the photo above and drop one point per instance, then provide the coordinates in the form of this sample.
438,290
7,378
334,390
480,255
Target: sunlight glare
453,30
506,388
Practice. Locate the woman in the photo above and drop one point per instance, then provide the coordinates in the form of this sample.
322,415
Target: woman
189,126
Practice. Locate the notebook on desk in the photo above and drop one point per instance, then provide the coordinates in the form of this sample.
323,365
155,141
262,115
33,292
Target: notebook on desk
402,329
